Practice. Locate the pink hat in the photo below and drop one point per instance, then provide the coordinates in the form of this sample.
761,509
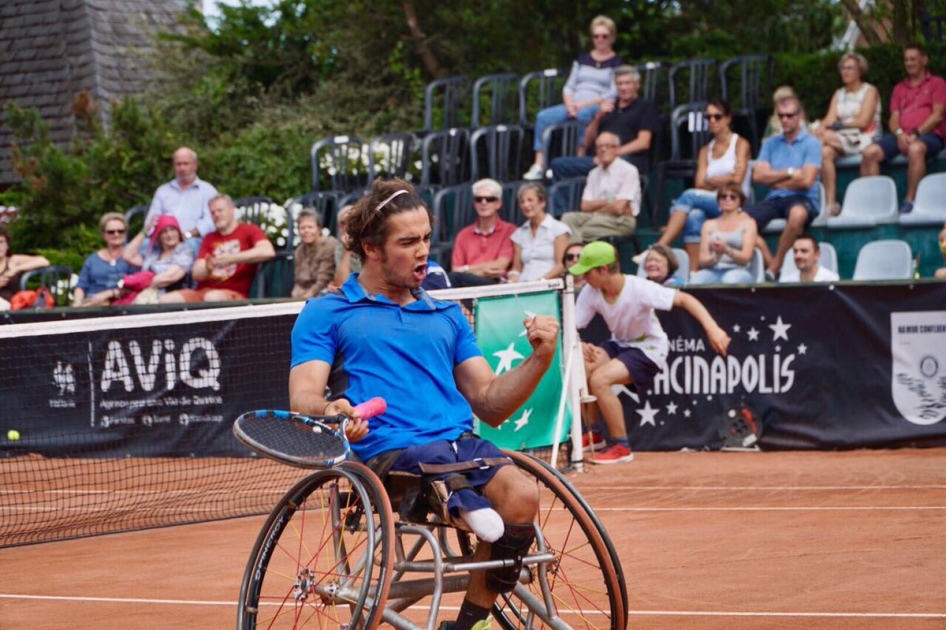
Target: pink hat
165,221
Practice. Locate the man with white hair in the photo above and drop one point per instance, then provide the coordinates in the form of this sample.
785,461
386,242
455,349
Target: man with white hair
483,250
186,198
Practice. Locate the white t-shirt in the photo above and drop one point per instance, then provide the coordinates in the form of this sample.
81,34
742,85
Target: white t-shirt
621,180
822,275
631,318
538,250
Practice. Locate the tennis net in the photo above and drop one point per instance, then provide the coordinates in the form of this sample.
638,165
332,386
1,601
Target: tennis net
124,423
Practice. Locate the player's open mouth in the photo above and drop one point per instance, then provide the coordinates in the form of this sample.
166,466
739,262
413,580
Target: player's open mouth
420,272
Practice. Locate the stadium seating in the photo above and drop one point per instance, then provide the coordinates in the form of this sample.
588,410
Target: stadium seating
391,155
445,103
444,157
886,259
752,76
496,152
538,90
929,207
691,81
868,202
338,160
496,100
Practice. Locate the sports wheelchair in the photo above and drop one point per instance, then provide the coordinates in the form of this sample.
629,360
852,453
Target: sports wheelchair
335,553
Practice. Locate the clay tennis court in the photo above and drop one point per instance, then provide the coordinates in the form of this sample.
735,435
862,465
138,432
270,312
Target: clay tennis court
837,540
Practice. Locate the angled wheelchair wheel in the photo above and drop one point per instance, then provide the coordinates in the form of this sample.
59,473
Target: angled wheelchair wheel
324,558
583,587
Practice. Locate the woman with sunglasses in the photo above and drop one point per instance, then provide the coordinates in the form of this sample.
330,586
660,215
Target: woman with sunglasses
725,160
572,254
726,243
590,83
98,280
539,244
851,125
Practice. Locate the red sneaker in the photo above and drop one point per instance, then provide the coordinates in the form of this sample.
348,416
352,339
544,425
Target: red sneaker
614,454
596,441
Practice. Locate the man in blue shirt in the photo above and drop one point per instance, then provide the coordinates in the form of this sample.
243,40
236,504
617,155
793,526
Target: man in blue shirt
383,335
186,198
790,165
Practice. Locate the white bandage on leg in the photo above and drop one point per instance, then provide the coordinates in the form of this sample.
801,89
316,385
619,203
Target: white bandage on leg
485,523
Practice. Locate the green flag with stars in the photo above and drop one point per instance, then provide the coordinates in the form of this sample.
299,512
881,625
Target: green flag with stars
502,338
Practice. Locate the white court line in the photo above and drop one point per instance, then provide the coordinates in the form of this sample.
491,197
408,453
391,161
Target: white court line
771,488
639,613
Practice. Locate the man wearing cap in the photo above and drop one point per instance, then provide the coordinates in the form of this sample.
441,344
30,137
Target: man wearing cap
638,347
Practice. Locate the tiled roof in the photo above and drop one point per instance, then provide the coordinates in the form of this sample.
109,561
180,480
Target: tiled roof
52,49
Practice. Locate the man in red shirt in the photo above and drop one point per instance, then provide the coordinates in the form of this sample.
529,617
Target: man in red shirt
482,251
227,260
917,126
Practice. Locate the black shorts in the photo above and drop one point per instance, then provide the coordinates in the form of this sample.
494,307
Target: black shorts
778,207
643,371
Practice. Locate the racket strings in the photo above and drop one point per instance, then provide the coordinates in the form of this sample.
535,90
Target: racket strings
299,441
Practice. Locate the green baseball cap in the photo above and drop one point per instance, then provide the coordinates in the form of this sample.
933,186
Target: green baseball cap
593,255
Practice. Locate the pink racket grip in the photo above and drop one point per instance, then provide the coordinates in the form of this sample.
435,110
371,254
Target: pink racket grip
371,408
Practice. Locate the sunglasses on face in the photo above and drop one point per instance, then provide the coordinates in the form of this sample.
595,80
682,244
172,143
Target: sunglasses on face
572,256
485,199
787,116
114,232
729,196
713,117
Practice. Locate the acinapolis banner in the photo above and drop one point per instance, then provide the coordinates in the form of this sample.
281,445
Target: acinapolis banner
824,366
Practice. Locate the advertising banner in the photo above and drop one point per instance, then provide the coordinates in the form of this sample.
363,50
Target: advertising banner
502,338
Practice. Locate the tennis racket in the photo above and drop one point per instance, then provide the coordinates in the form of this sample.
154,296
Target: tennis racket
300,440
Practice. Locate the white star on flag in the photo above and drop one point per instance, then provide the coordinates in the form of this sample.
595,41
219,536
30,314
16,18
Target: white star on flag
648,414
672,409
523,420
506,357
736,328
779,329
753,334
686,413
802,348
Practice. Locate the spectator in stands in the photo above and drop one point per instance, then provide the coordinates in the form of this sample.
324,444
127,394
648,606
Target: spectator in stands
941,272
917,123
345,263
13,266
98,280
228,258
167,255
638,347
807,254
725,160
572,252
538,244
611,200
483,251
727,242
774,126
851,125
660,266
314,258
634,120
186,198
590,84
789,164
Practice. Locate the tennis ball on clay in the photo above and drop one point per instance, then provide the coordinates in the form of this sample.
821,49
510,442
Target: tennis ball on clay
13,435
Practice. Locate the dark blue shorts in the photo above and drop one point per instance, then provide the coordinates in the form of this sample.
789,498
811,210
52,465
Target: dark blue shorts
934,144
446,452
778,207
643,371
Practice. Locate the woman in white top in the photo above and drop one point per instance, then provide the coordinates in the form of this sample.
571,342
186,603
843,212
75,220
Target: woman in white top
727,243
852,123
725,160
539,244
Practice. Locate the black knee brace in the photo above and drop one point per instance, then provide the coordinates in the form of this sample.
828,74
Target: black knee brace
513,545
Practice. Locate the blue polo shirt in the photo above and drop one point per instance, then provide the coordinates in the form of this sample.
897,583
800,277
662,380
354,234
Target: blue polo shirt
804,150
405,354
